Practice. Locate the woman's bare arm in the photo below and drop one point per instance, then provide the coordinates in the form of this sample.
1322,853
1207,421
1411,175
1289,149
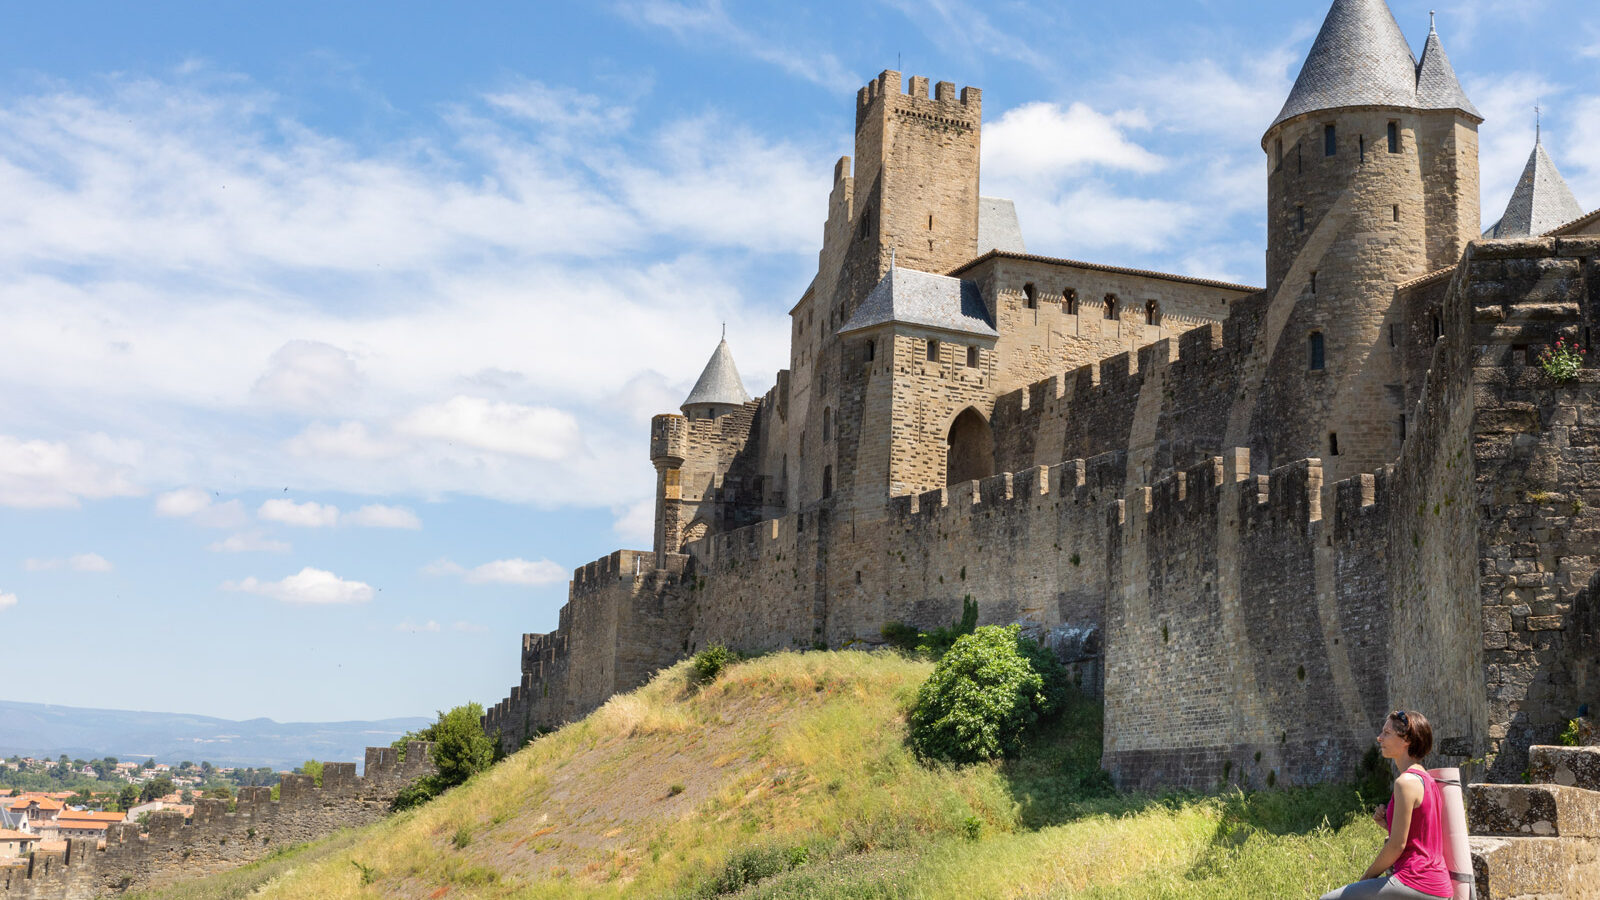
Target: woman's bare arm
1408,793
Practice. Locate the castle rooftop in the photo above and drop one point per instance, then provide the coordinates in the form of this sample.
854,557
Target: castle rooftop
1541,203
925,300
1437,84
719,384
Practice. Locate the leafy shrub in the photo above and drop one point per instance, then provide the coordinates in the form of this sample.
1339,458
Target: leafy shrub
755,864
936,643
461,750
983,695
710,662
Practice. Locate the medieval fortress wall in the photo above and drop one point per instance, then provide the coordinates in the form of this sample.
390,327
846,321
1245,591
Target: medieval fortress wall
1280,512
215,839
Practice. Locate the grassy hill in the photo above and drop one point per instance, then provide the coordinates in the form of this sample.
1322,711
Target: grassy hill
789,777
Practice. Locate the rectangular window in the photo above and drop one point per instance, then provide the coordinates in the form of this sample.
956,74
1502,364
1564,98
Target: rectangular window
1330,140
1316,352
1394,137
1402,428
1363,140
933,351
1397,212
1300,218
1313,282
972,357
1333,444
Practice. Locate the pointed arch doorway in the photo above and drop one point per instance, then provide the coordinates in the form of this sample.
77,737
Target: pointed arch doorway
971,453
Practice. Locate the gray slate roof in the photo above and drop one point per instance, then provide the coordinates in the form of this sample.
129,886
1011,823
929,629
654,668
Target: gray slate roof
1437,84
998,228
1541,203
1361,58
910,297
720,382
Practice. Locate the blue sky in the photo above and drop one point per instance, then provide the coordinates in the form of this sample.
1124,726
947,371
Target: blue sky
332,331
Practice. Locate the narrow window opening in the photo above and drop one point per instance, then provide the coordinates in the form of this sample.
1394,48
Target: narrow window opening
1299,160
1330,140
1394,137
1438,325
1300,218
1069,302
1277,154
930,221
1333,443
858,576
1152,313
933,351
827,424
1313,282
1030,297
872,350
1396,211
1316,351
1394,334
1402,423
827,481
1363,142
972,357
1111,311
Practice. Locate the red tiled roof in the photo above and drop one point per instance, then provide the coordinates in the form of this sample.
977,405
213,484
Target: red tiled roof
8,835
89,815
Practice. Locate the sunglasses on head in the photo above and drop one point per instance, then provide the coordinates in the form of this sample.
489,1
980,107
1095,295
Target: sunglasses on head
1400,715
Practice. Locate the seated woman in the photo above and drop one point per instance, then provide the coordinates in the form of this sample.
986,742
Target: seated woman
1414,816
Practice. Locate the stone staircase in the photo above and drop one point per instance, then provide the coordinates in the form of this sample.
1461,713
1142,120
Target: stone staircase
1539,841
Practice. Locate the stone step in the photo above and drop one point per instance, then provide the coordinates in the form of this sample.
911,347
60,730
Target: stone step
1568,766
1538,810
1536,868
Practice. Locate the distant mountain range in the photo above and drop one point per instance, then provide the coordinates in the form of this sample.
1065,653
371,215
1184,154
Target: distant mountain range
43,730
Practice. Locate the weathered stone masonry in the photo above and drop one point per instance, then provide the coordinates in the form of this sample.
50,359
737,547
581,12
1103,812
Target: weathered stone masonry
216,839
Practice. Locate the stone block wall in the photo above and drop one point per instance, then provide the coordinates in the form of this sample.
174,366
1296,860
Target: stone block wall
175,848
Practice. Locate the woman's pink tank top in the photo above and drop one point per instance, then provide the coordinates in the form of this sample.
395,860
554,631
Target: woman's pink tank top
1421,865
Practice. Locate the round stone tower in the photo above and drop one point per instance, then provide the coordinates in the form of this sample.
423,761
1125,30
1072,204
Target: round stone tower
1373,181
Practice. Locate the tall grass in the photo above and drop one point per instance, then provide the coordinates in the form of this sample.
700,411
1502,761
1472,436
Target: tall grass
789,776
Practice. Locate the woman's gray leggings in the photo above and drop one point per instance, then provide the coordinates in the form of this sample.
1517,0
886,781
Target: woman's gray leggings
1385,888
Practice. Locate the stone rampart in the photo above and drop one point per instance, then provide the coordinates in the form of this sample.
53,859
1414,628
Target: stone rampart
214,839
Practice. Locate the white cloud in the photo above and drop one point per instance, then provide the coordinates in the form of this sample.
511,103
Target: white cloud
533,431
309,586
1042,141
7,600
1094,217
36,474
200,507
503,571
380,516
249,542
301,515
309,375
413,628
636,523
347,440
707,24
82,562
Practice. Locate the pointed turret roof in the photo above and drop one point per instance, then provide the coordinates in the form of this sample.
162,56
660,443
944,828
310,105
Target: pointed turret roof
1542,201
1360,58
720,383
1437,85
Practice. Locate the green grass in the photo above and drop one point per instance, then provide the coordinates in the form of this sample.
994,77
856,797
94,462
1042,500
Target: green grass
789,776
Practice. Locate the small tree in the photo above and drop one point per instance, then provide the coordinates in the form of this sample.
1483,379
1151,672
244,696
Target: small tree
461,749
156,788
982,696
128,797
314,769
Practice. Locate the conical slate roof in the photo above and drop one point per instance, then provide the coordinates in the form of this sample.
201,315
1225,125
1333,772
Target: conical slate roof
1542,201
1437,85
720,382
1360,58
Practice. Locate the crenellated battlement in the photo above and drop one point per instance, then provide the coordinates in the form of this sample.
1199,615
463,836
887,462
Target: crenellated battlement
945,106
171,846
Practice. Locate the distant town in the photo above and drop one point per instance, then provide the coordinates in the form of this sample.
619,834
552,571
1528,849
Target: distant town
45,802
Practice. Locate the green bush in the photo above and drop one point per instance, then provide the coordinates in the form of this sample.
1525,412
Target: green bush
753,865
710,662
461,749
984,695
936,643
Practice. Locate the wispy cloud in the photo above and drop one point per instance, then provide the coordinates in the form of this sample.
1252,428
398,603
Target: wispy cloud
301,515
379,516
708,24
201,507
966,30
7,600
38,474
81,562
502,571
249,542
307,587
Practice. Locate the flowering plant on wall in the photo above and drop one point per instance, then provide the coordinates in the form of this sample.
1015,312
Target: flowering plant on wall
1561,360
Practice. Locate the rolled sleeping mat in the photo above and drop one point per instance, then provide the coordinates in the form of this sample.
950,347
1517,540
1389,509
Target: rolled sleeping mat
1457,853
